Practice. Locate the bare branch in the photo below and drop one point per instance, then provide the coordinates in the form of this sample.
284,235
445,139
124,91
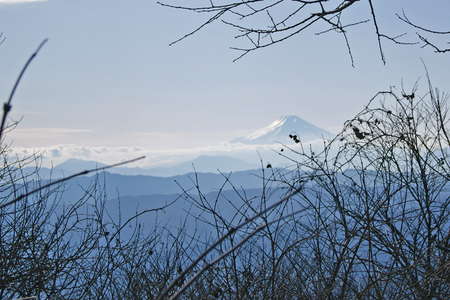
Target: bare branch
7,105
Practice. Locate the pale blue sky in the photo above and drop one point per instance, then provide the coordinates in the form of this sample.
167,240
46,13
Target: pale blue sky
107,77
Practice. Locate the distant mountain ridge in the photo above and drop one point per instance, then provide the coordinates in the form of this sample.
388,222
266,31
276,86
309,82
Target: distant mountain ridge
211,163
279,131
118,185
202,163
77,165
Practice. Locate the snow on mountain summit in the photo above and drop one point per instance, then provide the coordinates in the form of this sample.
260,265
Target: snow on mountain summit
279,131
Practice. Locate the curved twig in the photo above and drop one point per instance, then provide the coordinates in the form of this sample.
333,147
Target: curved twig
7,105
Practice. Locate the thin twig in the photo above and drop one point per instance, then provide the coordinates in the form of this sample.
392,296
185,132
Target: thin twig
375,23
407,21
7,105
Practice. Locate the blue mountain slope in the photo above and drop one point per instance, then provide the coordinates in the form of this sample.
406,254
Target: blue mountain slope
137,185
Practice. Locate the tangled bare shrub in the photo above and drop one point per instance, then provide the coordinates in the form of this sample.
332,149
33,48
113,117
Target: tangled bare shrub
367,216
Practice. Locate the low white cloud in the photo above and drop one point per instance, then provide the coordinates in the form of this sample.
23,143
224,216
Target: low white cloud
56,154
53,155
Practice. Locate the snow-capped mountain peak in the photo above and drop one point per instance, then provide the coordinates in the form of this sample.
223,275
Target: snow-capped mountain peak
278,132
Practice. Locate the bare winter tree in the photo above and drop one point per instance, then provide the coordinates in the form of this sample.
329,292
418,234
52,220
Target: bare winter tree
386,197
263,23
366,217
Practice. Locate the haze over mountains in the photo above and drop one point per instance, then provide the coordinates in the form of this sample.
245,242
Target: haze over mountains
242,153
202,163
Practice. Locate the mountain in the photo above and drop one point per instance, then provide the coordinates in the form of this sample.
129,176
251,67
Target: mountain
76,165
68,167
279,131
138,185
204,163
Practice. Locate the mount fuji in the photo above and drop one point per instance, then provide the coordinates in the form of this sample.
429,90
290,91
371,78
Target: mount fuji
279,131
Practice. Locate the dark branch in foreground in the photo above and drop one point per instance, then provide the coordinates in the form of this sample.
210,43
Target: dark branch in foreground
263,23
7,105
